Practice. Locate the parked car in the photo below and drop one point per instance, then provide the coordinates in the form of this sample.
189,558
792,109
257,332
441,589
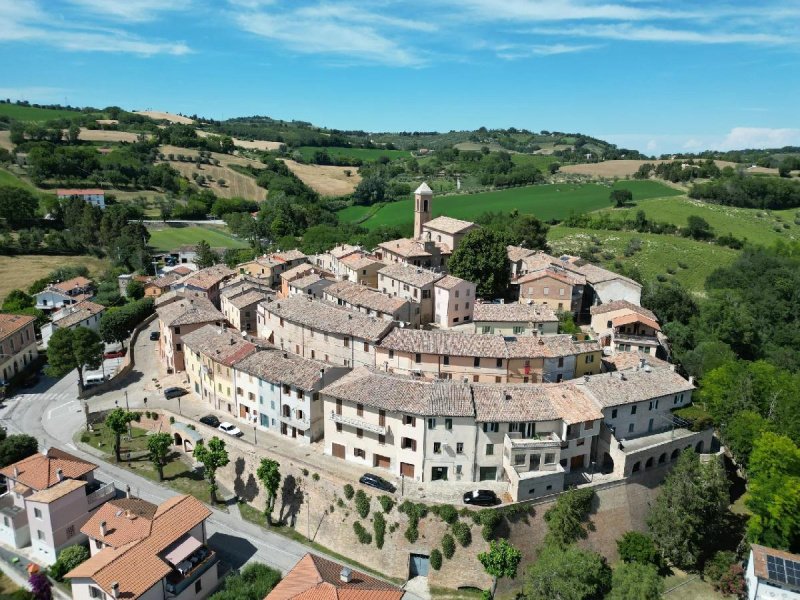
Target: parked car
154,335
230,429
115,353
210,420
481,498
376,482
174,392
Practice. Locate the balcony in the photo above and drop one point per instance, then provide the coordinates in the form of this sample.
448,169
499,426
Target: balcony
100,495
292,421
189,570
636,339
358,423
515,442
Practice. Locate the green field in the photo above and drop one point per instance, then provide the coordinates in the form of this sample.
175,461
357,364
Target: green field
692,261
30,113
540,161
365,154
164,239
755,225
554,201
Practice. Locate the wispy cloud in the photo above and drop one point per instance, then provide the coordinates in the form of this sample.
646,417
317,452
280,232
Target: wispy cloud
520,51
340,30
24,21
649,33
740,138
522,11
131,10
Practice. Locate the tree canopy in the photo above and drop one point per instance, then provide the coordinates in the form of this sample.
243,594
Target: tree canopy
214,456
69,349
568,574
481,258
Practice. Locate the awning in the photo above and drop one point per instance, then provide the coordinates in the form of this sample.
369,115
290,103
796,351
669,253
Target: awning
182,550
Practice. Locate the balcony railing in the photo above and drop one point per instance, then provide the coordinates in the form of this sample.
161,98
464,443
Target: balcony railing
515,441
101,495
358,423
177,582
630,337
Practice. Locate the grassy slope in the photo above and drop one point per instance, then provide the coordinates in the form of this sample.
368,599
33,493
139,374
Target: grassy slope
168,238
18,272
30,113
365,154
658,254
554,201
757,226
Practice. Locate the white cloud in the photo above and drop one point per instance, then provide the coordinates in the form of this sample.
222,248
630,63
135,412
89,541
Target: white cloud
131,10
518,51
648,33
740,138
566,10
339,31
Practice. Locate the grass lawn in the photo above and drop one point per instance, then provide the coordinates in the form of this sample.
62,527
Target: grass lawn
659,253
19,272
30,113
102,438
552,201
365,154
164,239
757,226
693,588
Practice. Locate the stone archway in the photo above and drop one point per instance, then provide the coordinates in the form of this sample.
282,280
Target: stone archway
178,439
649,462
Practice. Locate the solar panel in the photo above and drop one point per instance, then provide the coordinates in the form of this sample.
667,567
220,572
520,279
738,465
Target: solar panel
783,570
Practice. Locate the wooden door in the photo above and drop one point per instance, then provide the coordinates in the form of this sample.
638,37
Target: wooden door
407,469
338,450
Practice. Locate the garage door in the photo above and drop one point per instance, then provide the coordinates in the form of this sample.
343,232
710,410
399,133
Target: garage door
418,566
337,450
488,474
382,461
406,469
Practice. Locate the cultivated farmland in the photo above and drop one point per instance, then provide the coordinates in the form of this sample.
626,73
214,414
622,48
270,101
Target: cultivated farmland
31,113
246,144
165,116
326,180
554,201
5,140
236,184
164,238
622,168
107,135
19,272
365,154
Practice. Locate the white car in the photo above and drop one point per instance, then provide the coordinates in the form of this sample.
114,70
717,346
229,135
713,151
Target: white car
230,429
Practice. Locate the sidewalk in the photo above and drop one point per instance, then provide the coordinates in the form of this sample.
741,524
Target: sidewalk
14,563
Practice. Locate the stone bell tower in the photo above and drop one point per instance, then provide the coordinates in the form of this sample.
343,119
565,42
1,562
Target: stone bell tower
423,200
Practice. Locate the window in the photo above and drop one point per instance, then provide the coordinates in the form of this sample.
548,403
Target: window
589,358
448,424
580,442
6,522
382,418
614,413
381,439
656,404
633,409
37,512
630,428
519,459
338,406
499,363
437,448
366,346
491,427
409,420
408,444
178,347
518,329
286,388
431,423
587,425
560,291
347,342
418,358
70,531
98,544
176,330
560,361
39,534
391,353
650,406
360,409
460,448
458,469
546,291
198,585
359,453
95,592
489,449
466,306
549,458
445,360
359,433
338,428
476,362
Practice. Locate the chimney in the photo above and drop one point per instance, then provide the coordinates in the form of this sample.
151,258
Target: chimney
691,379
233,341
642,362
128,491
672,368
507,394
345,575
115,590
16,472
102,529
60,474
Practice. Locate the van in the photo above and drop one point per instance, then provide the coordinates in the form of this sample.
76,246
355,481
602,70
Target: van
93,380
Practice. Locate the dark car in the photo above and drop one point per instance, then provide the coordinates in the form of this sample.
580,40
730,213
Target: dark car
210,420
174,392
376,482
481,498
154,335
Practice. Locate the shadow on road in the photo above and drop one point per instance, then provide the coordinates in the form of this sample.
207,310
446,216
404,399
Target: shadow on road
235,551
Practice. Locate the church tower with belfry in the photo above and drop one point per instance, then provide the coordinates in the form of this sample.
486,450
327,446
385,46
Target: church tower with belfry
423,200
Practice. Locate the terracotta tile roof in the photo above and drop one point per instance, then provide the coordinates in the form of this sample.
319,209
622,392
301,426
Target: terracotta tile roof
571,404
208,278
405,247
126,519
182,270
622,305
59,490
137,566
77,313
12,323
166,280
513,312
189,311
71,284
595,275
290,255
362,296
298,271
635,318
359,261
626,387
40,471
533,402
393,392
317,578
282,367
224,346
448,282
621,361
760,554
327,317
243,282
278,258
416,276
517,253
303,283
549,346
339,252
557,274
247,298
449,225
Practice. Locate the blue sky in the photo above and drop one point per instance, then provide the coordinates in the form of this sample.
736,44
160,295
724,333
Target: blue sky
660,76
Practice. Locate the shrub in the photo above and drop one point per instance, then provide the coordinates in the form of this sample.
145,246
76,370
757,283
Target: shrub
364,536
448,545
635,546
565,519
462,533
305,472
255,581
446,512
85,438
315,477
68,559
489,519
732,582
436,559
379,526
362,504
683,265
662,278
349,492
412,533
172,420
386,503
147,414
718,567
340,503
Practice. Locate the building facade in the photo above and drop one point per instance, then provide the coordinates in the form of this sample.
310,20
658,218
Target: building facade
17,344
